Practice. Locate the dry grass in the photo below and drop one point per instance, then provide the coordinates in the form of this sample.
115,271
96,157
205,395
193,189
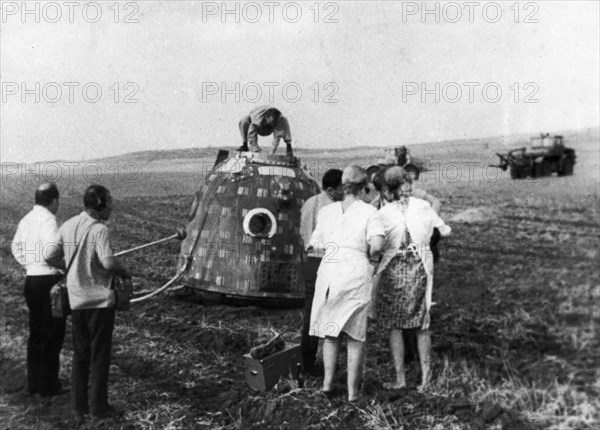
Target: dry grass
516,324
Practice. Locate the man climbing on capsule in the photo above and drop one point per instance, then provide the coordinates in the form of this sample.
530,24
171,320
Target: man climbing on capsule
265,120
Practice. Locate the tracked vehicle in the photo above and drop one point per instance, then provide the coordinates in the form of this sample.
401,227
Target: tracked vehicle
243,244
544,156
400,156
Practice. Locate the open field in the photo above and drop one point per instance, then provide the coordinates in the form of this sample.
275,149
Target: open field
515,329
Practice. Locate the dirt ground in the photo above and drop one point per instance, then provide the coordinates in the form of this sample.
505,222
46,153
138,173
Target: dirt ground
515,328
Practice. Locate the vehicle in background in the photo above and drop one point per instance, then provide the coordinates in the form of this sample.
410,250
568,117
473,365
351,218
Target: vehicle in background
544,156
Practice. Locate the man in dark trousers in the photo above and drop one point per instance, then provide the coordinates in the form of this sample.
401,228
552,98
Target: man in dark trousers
265,120
86,240
36,235
331,192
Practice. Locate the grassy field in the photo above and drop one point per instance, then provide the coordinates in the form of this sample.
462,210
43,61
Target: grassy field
515,328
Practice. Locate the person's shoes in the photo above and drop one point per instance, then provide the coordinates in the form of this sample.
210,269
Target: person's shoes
395,394
243,148
30,398
57,392
392,386
109,412
331,394
79,419
316,372
354,401
45,401
424,389
61,391
25,394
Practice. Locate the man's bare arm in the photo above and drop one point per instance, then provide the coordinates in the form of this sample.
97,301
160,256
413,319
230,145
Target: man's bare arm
113,265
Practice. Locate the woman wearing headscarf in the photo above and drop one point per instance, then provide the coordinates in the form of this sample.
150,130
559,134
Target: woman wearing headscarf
405,289
349,231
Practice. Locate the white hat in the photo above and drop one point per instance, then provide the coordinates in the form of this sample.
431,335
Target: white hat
354,175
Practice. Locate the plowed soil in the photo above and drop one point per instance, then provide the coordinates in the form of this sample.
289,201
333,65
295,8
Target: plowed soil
515,328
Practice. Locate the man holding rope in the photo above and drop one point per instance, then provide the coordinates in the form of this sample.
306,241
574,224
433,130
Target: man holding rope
86,240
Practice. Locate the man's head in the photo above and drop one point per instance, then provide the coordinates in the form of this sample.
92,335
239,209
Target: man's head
377,179
271,116
332,184
371,173
47,195
98,202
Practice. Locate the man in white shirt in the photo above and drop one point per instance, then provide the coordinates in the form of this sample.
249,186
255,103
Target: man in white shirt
36,238
331,192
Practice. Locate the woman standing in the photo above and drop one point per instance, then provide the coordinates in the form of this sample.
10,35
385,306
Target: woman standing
349,231
405,290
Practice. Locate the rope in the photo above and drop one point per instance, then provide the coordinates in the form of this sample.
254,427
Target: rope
164,287
204,215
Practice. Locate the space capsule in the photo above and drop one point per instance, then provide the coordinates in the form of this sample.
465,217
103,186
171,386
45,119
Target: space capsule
243,242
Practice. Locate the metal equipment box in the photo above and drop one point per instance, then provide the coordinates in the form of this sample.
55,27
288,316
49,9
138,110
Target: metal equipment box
262,374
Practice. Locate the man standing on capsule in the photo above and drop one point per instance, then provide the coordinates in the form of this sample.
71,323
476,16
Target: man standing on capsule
265,120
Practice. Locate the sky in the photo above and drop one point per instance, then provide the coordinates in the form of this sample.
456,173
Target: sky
81,81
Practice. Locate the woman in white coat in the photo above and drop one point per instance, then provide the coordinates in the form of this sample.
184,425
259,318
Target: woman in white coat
349,231
405,289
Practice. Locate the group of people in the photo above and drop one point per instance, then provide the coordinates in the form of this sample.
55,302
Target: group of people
368,254
81,248
367,237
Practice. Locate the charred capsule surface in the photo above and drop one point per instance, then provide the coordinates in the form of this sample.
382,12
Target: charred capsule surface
244,238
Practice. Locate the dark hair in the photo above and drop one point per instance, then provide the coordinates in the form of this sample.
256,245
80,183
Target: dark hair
96,197
332,178
274,112
46,193
394,181
371,170
378,179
